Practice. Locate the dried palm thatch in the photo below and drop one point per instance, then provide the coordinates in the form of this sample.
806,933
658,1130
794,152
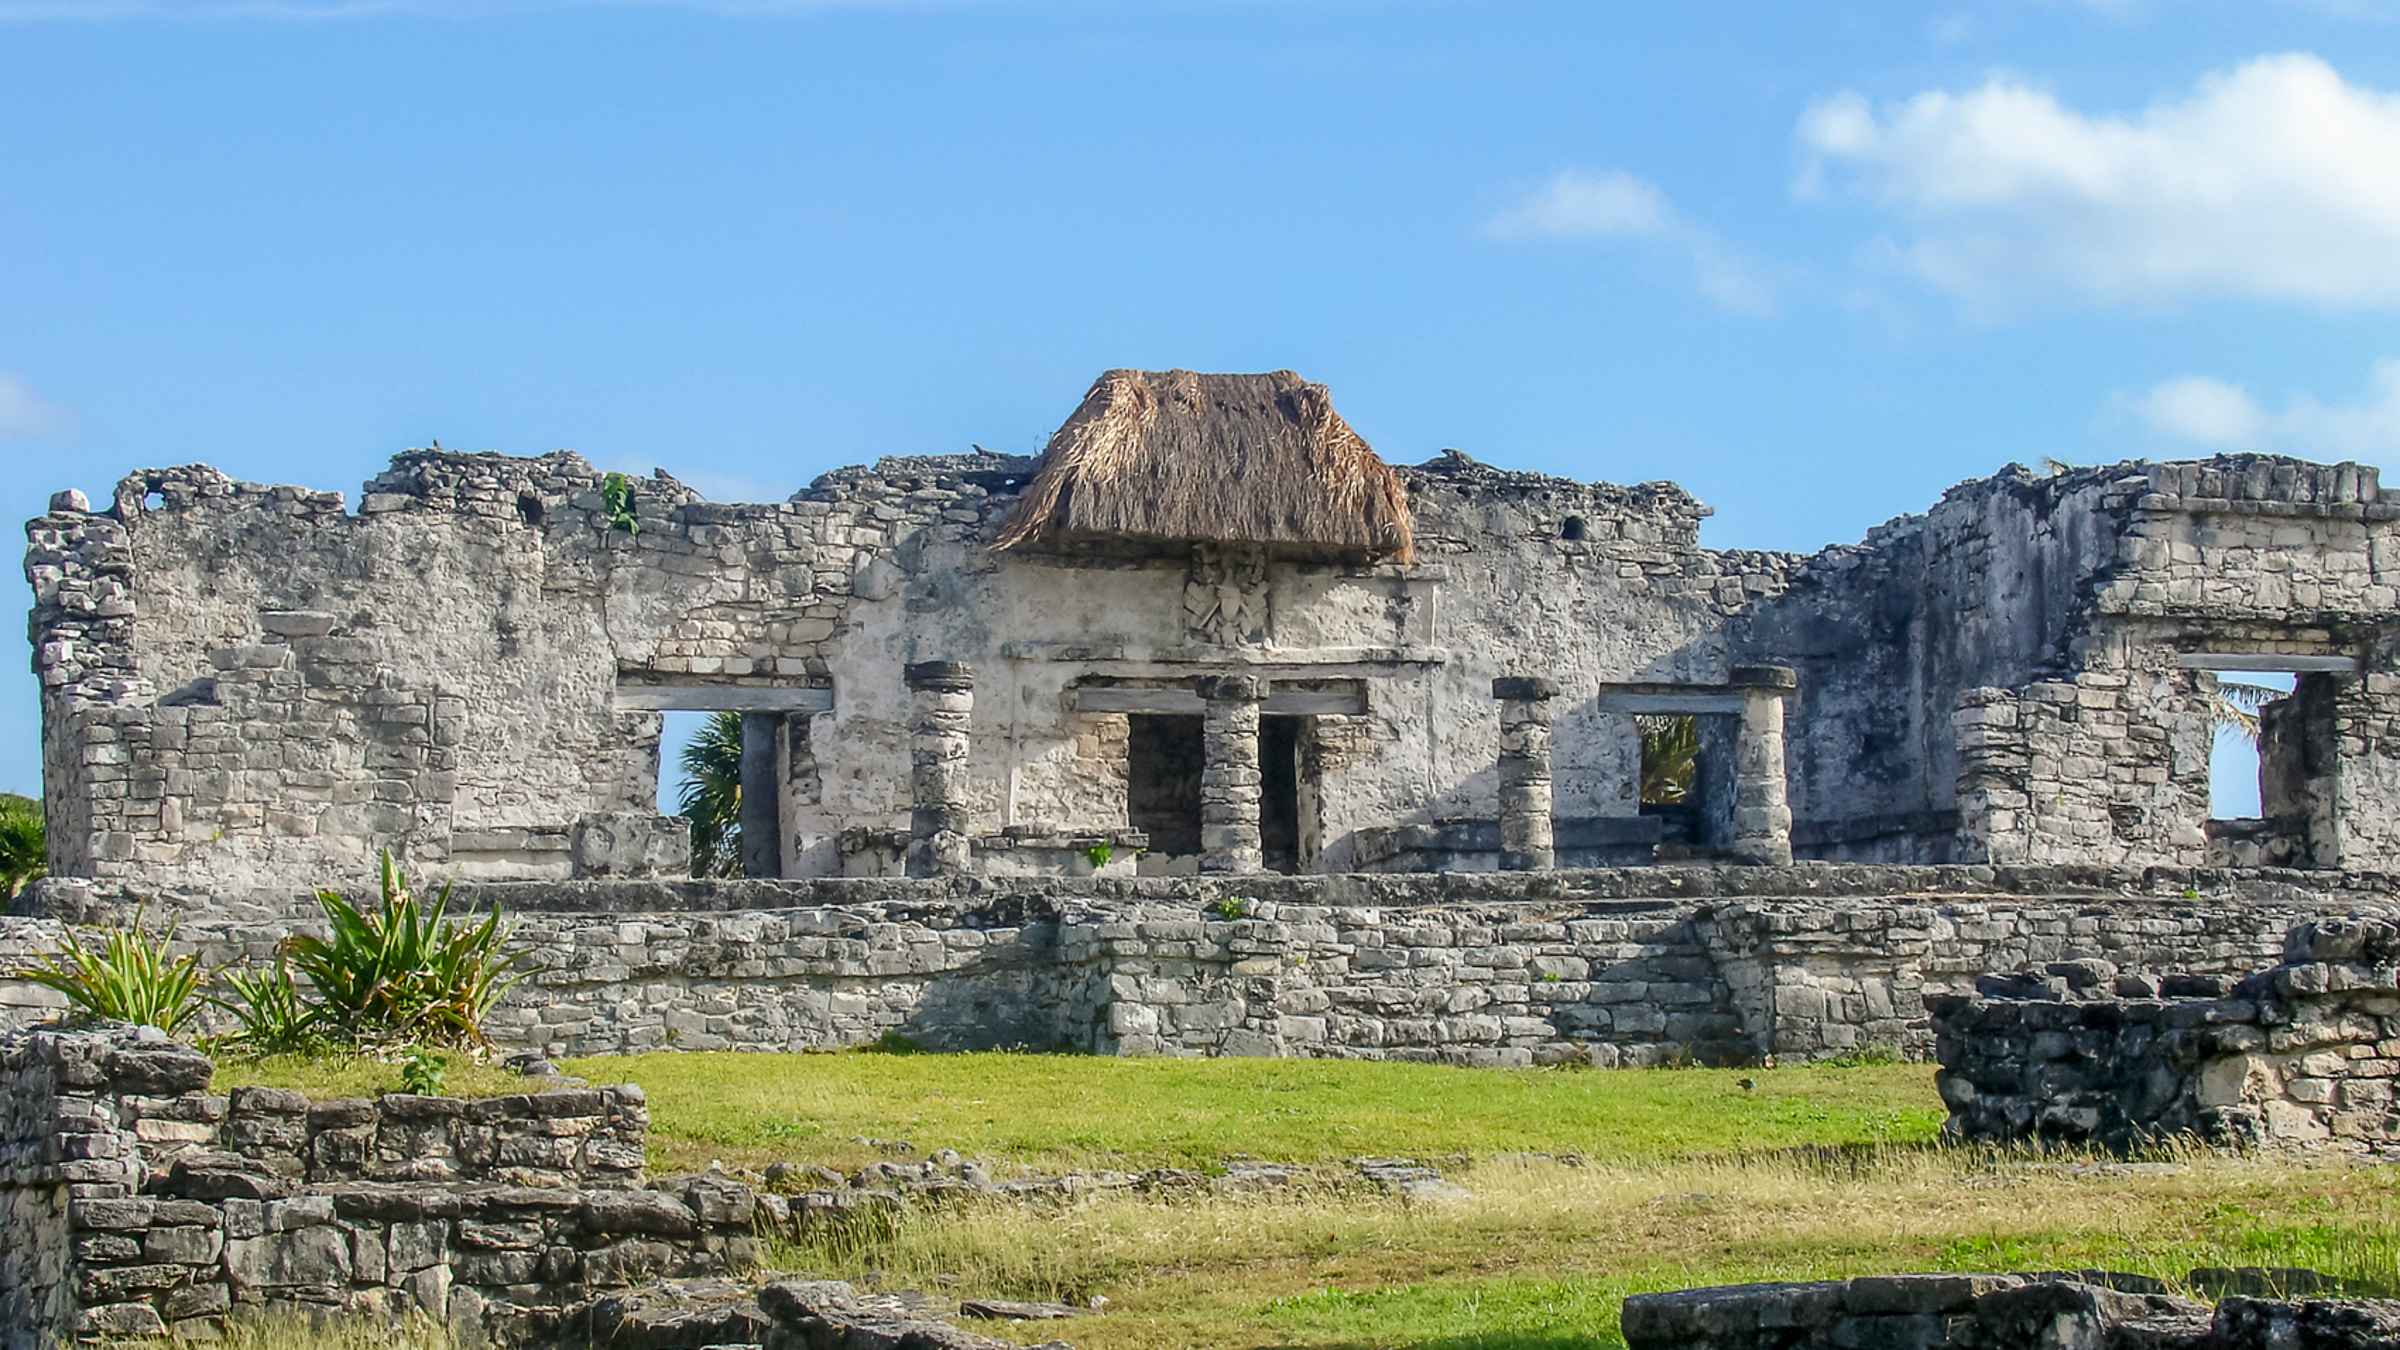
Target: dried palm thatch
1232,459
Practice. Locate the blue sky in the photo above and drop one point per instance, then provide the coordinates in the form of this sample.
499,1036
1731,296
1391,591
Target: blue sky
1816,262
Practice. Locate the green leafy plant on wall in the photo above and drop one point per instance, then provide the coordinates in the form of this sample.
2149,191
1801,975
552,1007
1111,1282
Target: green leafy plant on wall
272,1015
402,970
130,976
616,503
422,1071
1098,855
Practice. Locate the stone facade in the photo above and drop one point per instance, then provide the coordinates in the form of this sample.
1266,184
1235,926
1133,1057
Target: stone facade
2091,1310
1632,966
2305,1054
138,1202
248,685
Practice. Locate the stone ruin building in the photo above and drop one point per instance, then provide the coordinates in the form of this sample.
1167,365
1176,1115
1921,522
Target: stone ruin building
1204,732
1208,731
1210,629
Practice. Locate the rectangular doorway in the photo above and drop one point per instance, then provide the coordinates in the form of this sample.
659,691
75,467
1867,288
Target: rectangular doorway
1163,760
1279,746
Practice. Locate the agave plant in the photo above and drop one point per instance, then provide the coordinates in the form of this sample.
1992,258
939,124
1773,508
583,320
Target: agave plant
130,977
404,971
271,1014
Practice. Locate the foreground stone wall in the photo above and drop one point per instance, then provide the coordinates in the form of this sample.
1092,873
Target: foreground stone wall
2088,1311
138,1203
2304,1054
1626,966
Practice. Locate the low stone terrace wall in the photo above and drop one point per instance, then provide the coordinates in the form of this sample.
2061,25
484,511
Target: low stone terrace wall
135,1202
2303,1054
1623,966
2086,1311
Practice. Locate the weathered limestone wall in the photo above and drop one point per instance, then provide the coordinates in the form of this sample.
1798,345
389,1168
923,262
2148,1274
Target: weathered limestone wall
138,1203
1631,966
1987,588
2304,1054
248,685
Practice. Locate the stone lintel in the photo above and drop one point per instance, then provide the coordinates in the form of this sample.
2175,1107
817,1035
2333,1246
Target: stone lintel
1525,688
940,675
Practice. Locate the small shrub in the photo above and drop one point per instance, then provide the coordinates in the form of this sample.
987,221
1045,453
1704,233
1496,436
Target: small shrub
130,977
422,1071
404,972
1231,907
272,1015
1098,855
616,503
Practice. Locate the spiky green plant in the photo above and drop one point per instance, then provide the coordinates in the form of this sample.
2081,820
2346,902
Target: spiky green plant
24,844
272,1015
710,801
130,977
404,971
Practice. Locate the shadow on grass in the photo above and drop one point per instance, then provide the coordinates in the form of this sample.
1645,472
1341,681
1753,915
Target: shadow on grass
1496,1340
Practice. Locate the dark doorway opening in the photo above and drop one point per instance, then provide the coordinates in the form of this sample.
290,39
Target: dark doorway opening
1163,759
1279,742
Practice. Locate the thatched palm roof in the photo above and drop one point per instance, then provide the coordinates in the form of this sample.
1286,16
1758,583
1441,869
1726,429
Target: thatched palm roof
1232,459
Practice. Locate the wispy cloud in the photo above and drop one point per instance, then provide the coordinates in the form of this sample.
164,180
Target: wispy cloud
1581,204
2270,181
2216,414
26,415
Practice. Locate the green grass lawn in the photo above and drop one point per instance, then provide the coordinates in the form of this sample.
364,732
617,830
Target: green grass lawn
1687,1178
1052,1112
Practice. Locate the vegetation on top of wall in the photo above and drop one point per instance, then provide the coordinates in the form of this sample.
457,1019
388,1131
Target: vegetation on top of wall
398,973
710,801
131,976
24,844
402,972
616,503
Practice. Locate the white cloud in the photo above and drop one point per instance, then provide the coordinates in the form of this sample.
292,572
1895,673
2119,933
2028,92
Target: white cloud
1576,204
2218,415
2203,410
25,415
1580,204
2271,181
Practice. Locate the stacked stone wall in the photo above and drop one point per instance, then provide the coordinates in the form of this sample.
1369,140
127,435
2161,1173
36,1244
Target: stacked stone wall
2303,1054
139,1203
1632,966
2089,1310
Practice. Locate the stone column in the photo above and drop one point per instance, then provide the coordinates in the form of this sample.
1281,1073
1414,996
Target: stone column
943,694
1762,811
1230,780
762,797
1525,840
